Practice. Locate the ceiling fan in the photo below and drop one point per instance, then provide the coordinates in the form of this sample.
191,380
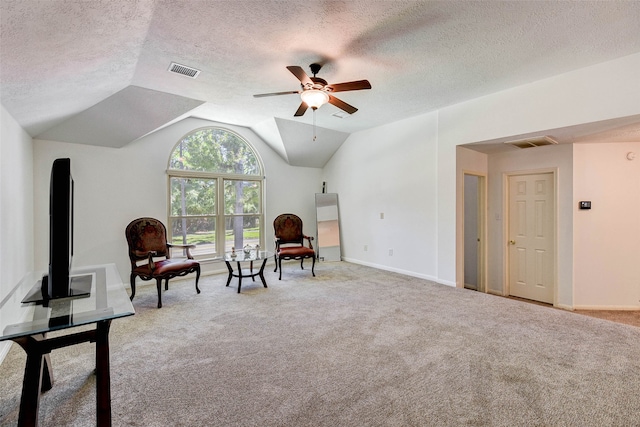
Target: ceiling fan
316,92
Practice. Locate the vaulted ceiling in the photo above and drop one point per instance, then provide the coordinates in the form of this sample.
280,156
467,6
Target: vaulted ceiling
96,72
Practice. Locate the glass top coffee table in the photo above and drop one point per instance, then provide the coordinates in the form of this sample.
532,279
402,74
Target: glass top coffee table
246,260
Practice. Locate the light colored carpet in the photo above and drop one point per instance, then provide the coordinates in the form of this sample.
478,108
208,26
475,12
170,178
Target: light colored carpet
354,346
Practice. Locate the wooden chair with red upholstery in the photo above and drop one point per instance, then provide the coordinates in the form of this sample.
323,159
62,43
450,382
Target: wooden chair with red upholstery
289,241
147,239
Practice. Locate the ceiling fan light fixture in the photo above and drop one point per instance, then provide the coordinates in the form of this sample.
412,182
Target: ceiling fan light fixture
314,98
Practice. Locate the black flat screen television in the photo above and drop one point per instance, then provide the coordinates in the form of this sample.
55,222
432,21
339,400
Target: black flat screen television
58,283
60,229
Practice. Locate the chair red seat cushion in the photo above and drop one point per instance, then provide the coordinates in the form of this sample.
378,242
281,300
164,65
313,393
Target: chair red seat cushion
296,251
167,266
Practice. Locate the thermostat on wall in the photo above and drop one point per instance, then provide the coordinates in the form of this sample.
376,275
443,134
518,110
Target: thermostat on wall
585,205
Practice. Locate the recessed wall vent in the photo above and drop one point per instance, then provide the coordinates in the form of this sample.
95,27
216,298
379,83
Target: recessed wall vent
184,70
534,141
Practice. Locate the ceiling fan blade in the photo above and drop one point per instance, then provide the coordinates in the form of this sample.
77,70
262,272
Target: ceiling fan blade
355,85
342,105
261,95
301,109
300,74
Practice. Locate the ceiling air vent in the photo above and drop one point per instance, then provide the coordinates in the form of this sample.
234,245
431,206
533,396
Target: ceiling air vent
184,70
534,141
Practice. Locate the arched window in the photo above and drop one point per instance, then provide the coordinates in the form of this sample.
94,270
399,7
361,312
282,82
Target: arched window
216,187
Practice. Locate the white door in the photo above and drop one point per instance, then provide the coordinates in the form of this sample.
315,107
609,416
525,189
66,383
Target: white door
532,236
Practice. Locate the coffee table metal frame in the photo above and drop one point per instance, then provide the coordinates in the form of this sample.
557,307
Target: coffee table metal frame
241,257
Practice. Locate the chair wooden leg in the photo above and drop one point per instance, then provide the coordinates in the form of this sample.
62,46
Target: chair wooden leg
301,264
166,284
197,278
280,267
313,266
159,285
132,280
275,260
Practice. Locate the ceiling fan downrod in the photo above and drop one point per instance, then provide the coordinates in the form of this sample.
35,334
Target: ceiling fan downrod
315,68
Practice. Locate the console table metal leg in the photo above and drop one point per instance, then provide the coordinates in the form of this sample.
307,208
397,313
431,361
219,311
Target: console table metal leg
38,377
38,374
103,375
32,382
239,276
47,373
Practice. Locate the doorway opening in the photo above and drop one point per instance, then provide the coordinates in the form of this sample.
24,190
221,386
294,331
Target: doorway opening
474,231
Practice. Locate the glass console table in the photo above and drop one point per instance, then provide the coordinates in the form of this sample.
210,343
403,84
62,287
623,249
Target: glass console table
240,258
107,300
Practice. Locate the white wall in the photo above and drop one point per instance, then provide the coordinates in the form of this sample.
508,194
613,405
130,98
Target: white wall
607,237
389,170
16,211
116,185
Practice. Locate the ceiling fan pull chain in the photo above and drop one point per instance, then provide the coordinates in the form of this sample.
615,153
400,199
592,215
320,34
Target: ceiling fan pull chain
314,124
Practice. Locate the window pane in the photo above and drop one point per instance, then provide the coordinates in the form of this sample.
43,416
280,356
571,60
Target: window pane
199,231
241,230
193,196
241,197
214,150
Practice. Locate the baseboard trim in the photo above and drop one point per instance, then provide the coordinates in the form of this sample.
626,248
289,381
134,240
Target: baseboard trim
400,271
4,350
607,307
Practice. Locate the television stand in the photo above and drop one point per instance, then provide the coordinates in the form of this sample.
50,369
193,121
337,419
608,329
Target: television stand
79,287
107,300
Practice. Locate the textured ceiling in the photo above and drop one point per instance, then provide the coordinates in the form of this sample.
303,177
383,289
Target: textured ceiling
59,59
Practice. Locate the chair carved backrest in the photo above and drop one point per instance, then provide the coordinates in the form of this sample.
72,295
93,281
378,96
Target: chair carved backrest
288,229
146,235
147,240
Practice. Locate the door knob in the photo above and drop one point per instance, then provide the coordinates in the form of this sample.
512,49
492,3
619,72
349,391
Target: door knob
512,242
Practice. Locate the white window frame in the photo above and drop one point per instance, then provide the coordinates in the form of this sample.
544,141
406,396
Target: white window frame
220,214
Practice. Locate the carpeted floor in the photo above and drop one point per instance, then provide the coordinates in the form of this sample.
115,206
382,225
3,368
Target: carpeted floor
354,346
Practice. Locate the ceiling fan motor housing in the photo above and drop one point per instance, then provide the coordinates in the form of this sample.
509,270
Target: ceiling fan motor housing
318,83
